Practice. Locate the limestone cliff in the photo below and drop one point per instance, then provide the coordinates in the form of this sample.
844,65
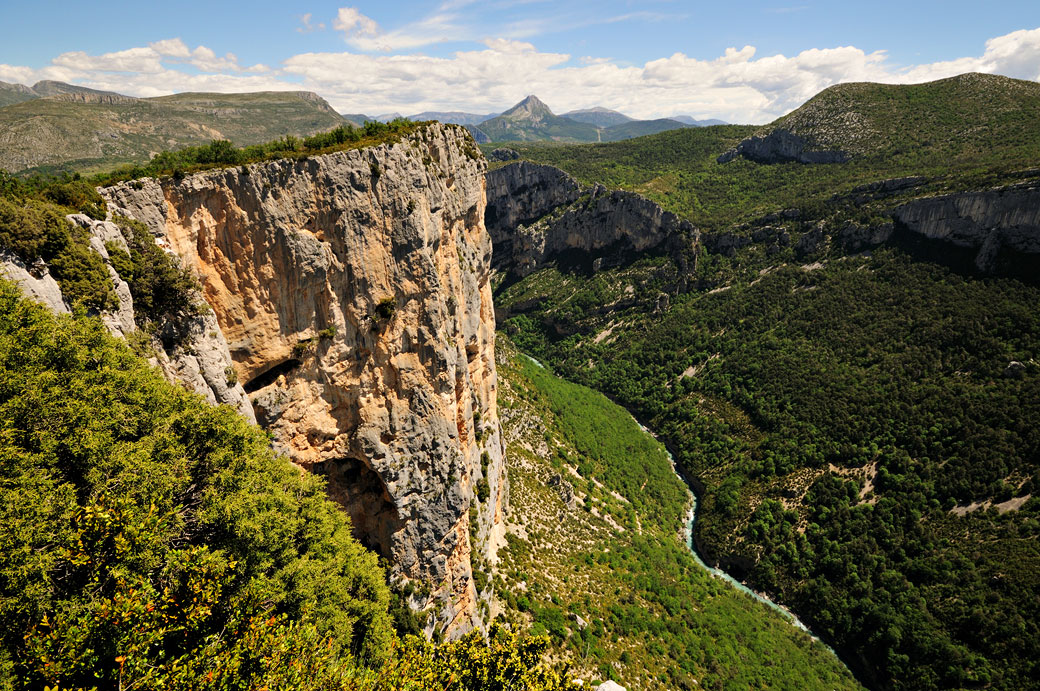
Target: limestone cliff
781,146
999,225
538,213
353,291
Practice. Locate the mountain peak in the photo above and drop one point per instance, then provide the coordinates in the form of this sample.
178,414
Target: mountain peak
531,108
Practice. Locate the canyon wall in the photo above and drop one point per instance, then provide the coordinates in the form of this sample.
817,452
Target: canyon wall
538,213
353,292
1002,221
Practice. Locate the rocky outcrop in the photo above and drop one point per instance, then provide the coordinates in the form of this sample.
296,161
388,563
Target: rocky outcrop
353,290
35,282
522,193
538,214
854,237
504,154
198,358
781,146
997,224
478,135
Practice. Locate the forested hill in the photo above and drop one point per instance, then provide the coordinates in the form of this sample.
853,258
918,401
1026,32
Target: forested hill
860,412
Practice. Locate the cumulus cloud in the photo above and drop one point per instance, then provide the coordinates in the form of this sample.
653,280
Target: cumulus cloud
145,60
1014,55
351,22
738,86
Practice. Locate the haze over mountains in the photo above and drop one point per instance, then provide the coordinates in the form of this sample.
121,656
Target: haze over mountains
532,120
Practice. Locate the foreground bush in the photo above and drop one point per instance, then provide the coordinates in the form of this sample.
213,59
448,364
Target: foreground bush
151,541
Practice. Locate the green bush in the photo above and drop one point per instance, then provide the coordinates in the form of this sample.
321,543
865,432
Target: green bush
386,308
36,230
79,195
149,538
164,292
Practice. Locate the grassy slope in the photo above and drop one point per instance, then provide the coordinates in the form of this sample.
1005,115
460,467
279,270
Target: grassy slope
962,115
615,557
804,382
50,134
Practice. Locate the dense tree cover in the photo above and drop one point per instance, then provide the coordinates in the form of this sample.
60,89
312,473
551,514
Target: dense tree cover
615,558
164,292
222,153
787,394
149,540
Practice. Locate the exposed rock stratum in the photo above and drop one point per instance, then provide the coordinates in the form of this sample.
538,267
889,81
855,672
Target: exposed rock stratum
353,290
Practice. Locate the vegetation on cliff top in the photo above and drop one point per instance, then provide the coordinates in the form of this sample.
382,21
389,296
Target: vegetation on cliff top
33,227
224,154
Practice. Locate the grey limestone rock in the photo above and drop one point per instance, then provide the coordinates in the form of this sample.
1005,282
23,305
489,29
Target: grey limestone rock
504,154
35,282
1005,219
537,212
781,146
811,243
854,237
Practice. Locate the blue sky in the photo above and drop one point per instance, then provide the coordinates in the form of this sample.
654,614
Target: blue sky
744,62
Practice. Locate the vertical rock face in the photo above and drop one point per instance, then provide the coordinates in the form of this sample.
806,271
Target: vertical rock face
1001,220
537,213
354,292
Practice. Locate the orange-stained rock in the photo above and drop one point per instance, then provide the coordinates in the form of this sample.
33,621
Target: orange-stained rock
353,290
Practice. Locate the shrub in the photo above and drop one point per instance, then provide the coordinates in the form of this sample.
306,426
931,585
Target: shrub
164,292
36,230
150,539
386,308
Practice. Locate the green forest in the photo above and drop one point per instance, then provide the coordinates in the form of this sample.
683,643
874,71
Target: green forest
613,557
151,540
861,426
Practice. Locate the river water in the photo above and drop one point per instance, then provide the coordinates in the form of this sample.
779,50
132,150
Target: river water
715,572
719,573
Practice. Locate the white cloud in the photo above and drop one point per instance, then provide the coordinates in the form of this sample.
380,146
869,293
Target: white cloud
307,27
171,47
351,22
738,86
144,60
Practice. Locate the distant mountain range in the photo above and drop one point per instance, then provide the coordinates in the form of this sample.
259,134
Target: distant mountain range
52,126
55,126
532,120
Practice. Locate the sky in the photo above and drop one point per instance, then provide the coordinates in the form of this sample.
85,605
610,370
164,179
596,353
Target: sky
743,62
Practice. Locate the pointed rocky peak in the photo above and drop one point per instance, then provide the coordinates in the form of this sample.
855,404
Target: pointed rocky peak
531,108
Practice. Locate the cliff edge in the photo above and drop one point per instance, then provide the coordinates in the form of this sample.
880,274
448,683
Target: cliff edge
353,290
